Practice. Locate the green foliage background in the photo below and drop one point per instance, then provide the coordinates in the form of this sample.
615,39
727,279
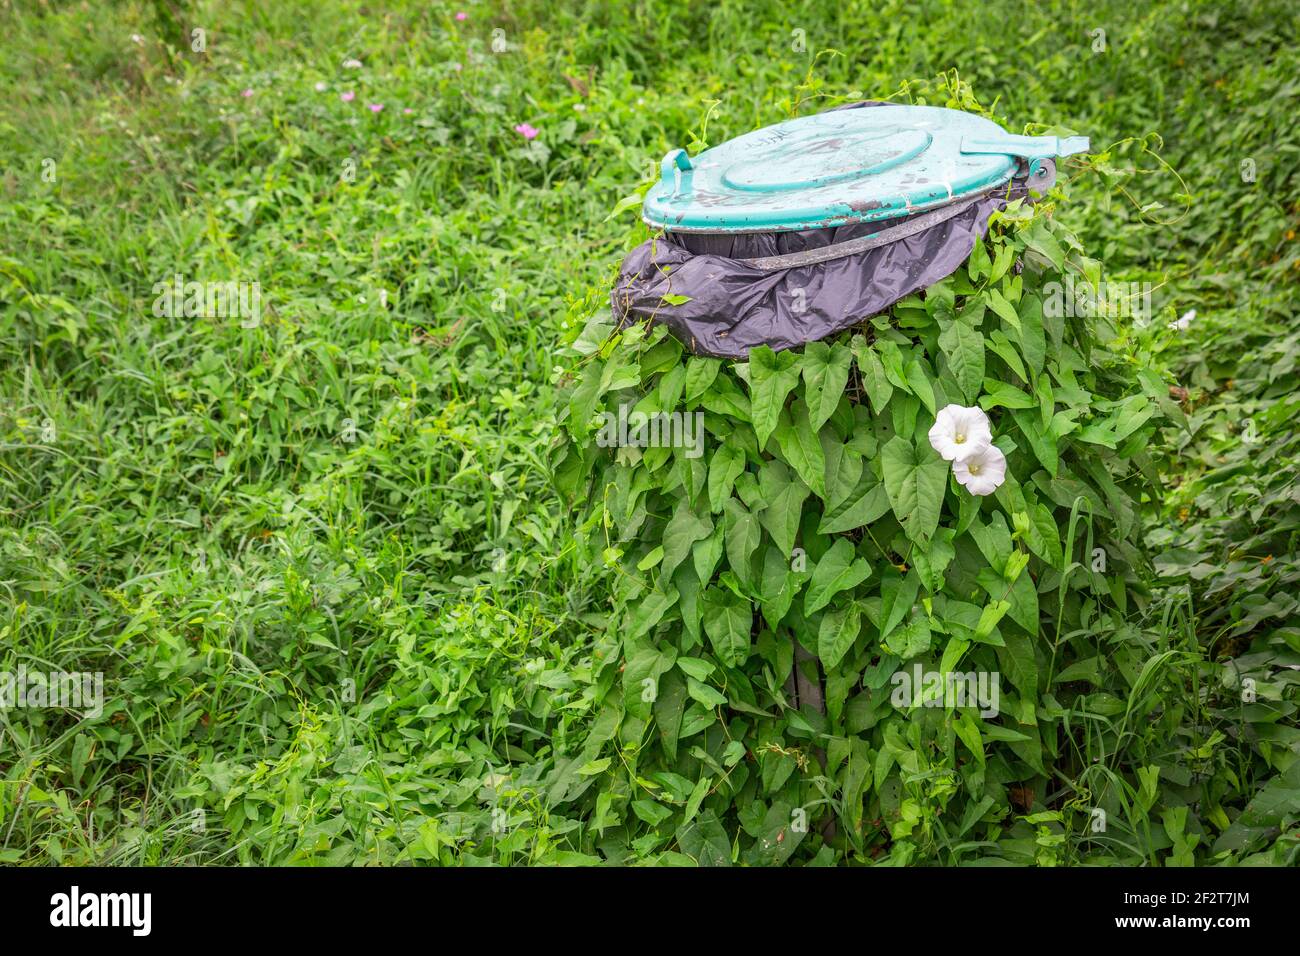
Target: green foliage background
328,651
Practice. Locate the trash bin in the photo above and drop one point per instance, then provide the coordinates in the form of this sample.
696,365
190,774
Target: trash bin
794,232
853,583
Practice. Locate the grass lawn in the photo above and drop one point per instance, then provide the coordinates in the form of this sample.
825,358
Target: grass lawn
313,544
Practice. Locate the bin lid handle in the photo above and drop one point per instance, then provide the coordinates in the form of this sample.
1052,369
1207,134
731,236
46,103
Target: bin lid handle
675,160
1028,147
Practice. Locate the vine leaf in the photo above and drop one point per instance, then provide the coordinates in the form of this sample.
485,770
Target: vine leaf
725,467
825,374
778,586
772,377
727,621
741,535
872,369
785,497
964,348
802,448
684,528
837,571
837,632
915,481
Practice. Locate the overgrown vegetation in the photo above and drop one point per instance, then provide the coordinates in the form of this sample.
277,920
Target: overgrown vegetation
341,613
823,509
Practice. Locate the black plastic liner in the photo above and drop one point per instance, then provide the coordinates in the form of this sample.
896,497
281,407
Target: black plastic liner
735,306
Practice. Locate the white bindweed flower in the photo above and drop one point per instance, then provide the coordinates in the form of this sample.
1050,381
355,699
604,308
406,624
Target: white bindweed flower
1183,321
959,431
983,472
351,64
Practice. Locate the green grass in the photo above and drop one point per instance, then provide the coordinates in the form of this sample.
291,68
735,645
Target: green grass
341,614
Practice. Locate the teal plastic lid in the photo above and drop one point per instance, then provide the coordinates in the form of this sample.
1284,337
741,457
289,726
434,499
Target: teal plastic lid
844,166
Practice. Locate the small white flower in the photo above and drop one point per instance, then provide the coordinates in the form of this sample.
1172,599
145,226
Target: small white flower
136,38
351,64
1183,321
983,472
959,431
321,86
